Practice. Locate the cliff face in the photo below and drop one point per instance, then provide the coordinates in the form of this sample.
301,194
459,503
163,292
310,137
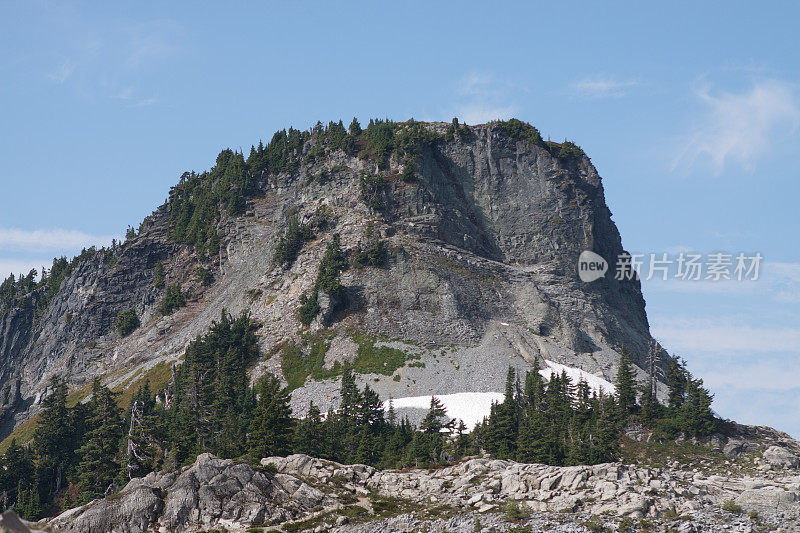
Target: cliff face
482,275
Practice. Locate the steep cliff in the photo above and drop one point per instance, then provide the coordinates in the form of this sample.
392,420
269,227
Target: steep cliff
483,227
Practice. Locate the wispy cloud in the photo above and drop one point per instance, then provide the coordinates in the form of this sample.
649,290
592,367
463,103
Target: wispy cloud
64,71
50,239
114,62
151,42
483,97
480,113
777,281
602,86
724,336
22,266
129,95
740,127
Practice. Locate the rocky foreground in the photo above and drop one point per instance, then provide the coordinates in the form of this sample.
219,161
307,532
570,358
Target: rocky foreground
300,493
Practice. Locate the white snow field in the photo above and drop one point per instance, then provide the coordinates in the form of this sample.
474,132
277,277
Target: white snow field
597,384
473,407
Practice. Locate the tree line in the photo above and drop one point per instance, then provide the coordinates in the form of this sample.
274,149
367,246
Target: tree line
93,448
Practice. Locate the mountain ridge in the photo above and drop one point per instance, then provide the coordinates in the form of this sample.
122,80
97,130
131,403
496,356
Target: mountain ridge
484,230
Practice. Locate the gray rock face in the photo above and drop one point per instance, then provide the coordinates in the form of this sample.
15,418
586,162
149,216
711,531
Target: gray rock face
778,456
484,247
212,492
216,494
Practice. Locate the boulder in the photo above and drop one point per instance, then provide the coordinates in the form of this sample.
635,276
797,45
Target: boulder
779,456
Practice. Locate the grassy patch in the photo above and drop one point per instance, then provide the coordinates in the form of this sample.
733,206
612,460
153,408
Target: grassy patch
372,359
388,506
307,359
23,433
304,525
686,454
732,507
77,396
159,376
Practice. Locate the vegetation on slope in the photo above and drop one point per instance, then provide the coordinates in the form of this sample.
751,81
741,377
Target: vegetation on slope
83,450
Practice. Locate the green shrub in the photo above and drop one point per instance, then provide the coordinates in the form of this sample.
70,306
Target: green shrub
309,308
375,254
372,191
516,129
515,513
291,242
204,276
173,299
158,275
569,150
732,507
126,322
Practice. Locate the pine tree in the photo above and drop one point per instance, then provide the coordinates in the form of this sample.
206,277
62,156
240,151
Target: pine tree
696,416
17,465
28,504
307,433
461,443
676,382
503,425
98,465
55,436
626,383
427,444
271,425
396,444
355,128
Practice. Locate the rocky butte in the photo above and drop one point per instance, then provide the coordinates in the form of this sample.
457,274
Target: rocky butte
466,241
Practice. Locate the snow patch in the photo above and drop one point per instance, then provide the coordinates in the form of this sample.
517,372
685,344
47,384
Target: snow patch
470,407
596,383
473,407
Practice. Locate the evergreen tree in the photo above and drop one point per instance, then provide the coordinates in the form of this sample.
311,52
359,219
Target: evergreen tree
502,428
355,128
308,432
271,426
696,416
17,466
28,504
427,444
158,275
98,465
626,383
676,382
396,443
55,436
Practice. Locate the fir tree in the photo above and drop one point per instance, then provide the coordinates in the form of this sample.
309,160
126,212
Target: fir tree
28,504
676,382
626,383
355,128
308,432
696,416
271,425
55,437
98,465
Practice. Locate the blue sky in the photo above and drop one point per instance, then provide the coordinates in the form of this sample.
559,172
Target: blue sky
690,111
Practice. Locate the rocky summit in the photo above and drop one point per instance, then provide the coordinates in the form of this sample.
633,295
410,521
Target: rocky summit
299,493
404,296
482,238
